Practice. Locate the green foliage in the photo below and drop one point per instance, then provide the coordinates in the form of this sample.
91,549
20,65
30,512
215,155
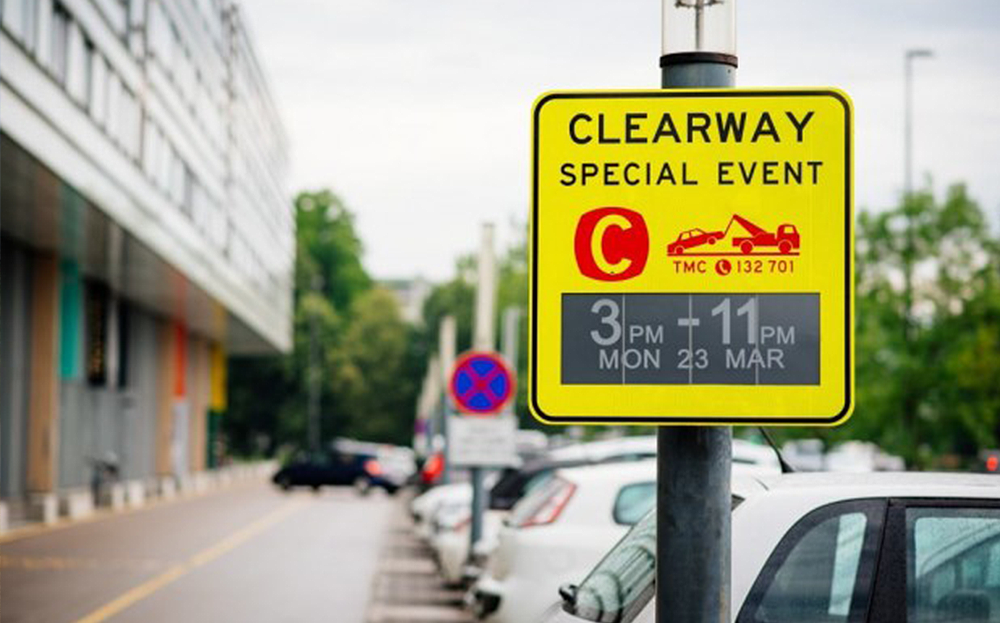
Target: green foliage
928,331
369,360
457,297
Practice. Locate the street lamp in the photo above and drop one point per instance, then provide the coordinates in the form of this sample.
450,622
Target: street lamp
908,129
705,28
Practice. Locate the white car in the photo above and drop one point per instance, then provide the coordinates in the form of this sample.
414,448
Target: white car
557,532
637,446
831,548
451,542
424,507
448,530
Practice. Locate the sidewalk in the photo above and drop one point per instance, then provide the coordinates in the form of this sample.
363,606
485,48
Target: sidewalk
407,587
16,522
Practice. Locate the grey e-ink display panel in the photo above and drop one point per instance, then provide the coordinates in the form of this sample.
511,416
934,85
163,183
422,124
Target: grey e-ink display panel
690,339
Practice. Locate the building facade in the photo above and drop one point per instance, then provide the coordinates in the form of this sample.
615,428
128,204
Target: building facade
146,235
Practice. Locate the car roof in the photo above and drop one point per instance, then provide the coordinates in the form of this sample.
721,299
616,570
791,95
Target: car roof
604,472
599,450
914,484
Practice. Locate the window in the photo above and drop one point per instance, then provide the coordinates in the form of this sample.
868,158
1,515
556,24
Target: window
634,501
77,65
543,505
59,41
953,564
821,570
98,87
19,19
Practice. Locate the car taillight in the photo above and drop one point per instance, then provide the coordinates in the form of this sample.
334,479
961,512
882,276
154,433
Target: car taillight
549,510
373,468
993,463
433,468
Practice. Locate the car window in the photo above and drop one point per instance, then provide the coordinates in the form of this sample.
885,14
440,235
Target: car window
821,570
536,481
634,501
620,586
529,505
953,564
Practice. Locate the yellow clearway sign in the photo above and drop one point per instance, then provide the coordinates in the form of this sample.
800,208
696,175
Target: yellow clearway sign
692,257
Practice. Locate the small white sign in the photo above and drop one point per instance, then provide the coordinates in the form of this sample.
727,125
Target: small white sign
482,441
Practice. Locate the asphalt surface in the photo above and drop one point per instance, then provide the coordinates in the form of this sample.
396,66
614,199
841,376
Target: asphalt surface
249,553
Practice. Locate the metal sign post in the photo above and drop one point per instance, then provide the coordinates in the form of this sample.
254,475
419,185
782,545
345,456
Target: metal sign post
482,339
447,346
694,464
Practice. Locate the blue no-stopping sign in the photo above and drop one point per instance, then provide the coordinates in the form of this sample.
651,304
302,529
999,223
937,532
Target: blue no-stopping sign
481,383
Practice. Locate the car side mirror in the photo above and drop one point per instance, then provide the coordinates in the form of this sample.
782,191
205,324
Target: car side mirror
568,594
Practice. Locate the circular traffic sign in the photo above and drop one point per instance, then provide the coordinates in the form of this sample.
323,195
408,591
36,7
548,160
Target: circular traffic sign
481,383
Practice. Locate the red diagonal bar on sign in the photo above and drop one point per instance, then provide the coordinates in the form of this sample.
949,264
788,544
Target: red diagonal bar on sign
476,386
485,381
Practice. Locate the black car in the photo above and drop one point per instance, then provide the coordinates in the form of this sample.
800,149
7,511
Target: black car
362,471
514,483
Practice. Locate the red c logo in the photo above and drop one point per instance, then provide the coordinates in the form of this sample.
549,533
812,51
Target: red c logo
611,244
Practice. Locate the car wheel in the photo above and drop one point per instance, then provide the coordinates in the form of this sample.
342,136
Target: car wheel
746,247
362,485
785,247
285,483
711,241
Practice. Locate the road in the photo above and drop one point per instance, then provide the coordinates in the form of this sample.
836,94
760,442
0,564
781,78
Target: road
249,553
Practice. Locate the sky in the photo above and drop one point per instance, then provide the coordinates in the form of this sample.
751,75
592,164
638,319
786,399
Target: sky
417,112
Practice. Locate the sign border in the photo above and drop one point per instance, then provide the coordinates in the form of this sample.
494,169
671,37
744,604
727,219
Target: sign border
848,406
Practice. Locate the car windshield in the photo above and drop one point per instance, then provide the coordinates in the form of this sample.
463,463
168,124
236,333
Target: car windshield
540,492
621,585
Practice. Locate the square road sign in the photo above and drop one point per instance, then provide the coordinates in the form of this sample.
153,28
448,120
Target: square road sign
692,257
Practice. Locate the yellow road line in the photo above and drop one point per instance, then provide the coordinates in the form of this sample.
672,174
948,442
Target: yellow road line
203,557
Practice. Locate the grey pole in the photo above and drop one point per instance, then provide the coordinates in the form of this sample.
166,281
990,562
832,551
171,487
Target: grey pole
907,194
908,118
315,376
693,532
483,340
447,344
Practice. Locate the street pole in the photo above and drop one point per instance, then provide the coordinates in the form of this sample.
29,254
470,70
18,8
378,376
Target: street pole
447,344
483,340
511,318
315,376
908,186
908,118
694,464
908,404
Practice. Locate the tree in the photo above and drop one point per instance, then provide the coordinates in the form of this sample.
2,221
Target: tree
381,391
928,362
370,360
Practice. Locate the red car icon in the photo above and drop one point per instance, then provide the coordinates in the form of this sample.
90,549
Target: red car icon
693,238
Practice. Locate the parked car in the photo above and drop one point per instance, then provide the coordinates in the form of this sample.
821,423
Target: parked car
450,537
424,507
832,547
335,468
451,543
557,532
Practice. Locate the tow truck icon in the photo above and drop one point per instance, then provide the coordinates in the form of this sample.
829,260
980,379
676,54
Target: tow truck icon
785,241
